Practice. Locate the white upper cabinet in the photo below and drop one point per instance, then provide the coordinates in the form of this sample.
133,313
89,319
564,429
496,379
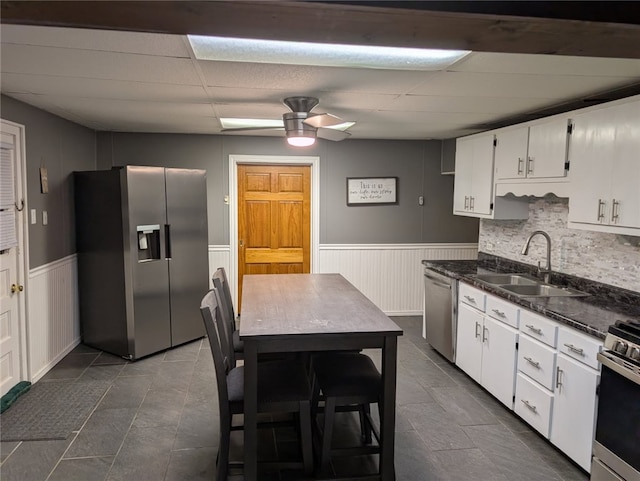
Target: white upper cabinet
537,151
605,169
473,188
474,175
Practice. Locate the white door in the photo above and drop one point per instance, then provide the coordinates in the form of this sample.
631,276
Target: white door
469,341
511,153
482,182
547,149
591,152
12,305
574,410
499,360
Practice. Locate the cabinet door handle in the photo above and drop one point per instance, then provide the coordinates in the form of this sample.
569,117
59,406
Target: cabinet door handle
498,313
472,201
530,166
534,329
477,326
601,207
484,338
470,299
532,362
520,165
529,405
575,349
466,202
614,211
558,373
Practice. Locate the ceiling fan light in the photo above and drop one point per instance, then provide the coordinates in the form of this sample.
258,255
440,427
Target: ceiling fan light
301,141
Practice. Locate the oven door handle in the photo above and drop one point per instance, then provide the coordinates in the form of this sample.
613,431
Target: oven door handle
614,366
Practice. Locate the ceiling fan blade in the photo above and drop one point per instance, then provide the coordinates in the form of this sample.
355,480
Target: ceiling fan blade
248,129
332,134
323,120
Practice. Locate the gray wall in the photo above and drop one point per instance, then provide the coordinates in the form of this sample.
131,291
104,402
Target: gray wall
415,163
62,147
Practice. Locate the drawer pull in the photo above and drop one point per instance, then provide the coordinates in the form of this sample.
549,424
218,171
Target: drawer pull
535,364
529,405
575,349
470,299
534,329
499,313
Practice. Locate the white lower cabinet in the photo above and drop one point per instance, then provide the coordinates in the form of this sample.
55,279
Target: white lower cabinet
546,372
556,384
486,347
574,410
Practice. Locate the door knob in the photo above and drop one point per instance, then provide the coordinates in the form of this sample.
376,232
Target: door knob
16,287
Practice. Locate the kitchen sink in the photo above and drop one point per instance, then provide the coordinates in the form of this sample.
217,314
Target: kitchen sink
508,279
524,285
542,290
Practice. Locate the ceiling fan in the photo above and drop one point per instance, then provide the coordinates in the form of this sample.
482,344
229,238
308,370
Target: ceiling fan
301,126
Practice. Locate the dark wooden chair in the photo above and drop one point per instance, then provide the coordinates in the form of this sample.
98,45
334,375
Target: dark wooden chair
283,387
346,381
221,283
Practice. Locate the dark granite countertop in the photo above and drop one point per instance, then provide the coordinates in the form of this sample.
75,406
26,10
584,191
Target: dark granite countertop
592,314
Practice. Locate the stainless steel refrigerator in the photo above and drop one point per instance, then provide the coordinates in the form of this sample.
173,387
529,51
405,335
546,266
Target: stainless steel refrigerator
141,235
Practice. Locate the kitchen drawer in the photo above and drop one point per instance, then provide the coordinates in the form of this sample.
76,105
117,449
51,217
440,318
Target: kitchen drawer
539,327
504,311
579,346
472,296
537,361
534,404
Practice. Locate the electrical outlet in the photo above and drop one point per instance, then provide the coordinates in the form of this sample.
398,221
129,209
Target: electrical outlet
45,217
421,200
34,216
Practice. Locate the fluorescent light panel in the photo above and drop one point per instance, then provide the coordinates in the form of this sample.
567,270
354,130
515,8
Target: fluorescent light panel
233,123
321,54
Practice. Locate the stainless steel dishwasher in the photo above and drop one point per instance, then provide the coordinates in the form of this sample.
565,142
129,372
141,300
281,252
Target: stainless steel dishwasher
440,313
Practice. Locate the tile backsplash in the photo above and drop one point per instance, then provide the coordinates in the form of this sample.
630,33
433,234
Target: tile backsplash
607,258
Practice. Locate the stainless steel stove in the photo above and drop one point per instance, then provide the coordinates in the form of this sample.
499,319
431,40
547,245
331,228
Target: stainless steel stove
616,450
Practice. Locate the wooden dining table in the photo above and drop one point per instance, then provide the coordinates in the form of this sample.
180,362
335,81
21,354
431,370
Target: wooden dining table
307,313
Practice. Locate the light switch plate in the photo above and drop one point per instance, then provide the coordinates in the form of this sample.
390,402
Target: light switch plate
45,217
34,216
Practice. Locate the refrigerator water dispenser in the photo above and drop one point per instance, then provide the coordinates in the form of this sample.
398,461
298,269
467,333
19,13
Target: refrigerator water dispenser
148,243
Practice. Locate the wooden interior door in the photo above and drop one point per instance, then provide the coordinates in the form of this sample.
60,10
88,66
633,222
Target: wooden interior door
274,220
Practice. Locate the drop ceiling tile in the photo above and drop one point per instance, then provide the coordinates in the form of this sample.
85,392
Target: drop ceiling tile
491,62
557,87
104,40
465,104
65,62
300,80
101,89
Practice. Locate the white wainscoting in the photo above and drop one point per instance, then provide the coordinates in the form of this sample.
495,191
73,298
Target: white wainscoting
53,320
219,256
390,274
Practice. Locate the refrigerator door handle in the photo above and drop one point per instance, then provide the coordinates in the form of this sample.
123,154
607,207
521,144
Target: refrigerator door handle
167,242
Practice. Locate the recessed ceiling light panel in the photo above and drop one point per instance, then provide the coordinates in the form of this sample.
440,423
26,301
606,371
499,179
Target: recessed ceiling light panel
233,123
321,54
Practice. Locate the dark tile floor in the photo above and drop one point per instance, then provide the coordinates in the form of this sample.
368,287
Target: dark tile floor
158,422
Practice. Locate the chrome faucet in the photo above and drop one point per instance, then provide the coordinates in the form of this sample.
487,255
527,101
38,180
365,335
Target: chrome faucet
547,271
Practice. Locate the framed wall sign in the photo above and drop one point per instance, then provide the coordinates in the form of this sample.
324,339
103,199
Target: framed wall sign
372,190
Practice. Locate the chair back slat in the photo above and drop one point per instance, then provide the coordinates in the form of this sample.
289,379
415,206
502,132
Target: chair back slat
226,310
225,294
210,308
